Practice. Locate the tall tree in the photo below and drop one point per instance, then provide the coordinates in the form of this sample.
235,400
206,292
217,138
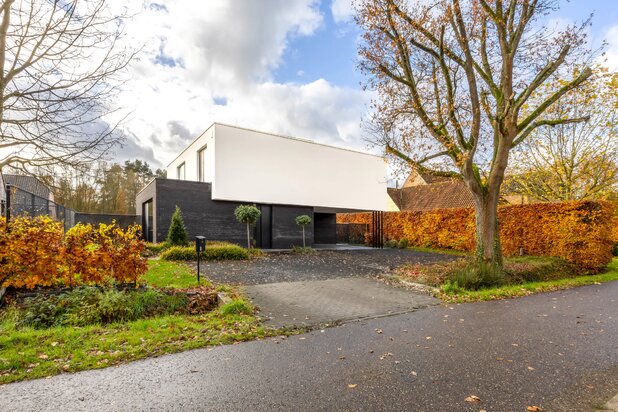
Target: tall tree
59,69
459,86
576,161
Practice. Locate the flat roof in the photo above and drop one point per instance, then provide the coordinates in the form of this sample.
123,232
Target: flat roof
272,134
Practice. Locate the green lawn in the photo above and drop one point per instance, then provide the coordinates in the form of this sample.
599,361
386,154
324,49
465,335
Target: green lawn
528,288
27,353
168,274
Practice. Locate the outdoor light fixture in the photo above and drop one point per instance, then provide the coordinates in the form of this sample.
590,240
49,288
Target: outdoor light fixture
200,246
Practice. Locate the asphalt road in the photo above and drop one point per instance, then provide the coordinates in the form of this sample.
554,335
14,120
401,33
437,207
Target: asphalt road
558,351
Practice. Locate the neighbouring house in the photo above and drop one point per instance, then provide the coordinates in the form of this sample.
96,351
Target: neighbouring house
32,196
422,192
283,176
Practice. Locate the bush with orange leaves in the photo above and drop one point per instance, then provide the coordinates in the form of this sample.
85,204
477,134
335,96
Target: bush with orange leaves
36,252
580,232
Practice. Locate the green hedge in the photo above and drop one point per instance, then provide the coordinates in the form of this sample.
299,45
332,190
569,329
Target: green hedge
217,251
156,248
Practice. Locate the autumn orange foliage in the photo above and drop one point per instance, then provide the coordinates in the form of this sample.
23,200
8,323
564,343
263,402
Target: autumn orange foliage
37,252
580,232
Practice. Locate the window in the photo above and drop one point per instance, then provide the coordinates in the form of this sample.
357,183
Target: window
201,164
180,171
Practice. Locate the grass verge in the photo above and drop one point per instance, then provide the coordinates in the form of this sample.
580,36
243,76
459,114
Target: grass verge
527,288
27,353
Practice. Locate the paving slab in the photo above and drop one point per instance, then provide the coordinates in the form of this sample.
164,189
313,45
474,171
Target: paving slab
334,300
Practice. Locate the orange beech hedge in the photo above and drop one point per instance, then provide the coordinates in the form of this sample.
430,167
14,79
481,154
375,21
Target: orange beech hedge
37,252
580,232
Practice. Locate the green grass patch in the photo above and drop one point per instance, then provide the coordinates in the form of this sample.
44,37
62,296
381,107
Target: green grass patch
451,292
28,353
169,274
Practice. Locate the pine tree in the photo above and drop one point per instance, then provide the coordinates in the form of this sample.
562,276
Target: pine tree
177,233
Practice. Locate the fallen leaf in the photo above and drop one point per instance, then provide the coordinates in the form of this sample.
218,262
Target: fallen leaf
352,385
43,356
534,409
54,343
428,337
472,398
530,368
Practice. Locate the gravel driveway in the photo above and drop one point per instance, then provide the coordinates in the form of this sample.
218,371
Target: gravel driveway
320,265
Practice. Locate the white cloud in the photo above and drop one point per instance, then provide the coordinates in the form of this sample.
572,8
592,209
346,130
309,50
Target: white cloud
214,61
342,10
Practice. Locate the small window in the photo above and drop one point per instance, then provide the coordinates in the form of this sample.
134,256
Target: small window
201,164
180,171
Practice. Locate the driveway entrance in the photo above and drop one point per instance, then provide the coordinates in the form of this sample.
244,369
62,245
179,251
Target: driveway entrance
319,302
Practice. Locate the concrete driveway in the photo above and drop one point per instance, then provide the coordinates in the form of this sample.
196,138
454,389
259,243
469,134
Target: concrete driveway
324,287
330,301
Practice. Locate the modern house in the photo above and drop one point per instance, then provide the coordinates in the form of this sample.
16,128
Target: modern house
283,176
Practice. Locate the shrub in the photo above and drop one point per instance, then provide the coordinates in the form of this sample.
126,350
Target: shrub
31,253
92,306
247,214
224,251
177,233
156,248
475,276
36,253
392,243
403,243
179,253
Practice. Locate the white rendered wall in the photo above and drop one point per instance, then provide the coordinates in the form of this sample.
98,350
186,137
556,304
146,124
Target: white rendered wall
259,167
190,159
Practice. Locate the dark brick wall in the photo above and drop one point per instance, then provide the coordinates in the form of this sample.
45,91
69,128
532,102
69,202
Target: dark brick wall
325,228
202,216
215,219
95,218
149,192
285,232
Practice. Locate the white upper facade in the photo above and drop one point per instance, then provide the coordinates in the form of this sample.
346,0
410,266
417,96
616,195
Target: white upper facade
249,166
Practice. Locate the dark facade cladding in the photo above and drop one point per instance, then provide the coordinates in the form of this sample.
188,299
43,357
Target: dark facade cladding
215,219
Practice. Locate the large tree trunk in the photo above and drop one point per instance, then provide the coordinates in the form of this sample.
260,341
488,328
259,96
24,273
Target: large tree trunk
488,248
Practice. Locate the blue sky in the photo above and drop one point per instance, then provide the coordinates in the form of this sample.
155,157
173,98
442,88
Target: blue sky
330,53
282,66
